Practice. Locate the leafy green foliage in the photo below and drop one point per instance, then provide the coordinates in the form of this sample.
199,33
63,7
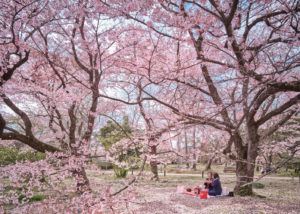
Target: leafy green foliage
33,198
258,185
36,198
11,156
120,172
112,133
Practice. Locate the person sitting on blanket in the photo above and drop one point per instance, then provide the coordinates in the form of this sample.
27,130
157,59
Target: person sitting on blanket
209,180
216,186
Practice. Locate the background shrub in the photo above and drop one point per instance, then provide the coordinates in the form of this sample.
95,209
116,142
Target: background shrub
11,156
258,185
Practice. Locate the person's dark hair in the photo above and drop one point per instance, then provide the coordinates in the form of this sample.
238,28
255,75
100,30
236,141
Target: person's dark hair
216,175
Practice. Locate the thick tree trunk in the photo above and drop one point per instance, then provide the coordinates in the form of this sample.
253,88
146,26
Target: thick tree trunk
242,178
82,182
241,167
153,164
246,162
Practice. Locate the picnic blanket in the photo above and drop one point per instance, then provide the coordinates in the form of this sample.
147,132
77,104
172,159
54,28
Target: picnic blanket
190,193
198,196
201,195
180,189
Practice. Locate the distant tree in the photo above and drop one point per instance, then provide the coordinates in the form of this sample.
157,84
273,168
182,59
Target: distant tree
12,155
284,145
113,132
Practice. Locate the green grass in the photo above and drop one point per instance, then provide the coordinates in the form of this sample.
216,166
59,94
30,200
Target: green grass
258,186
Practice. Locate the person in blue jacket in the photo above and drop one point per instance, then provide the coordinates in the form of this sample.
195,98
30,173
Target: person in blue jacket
216,188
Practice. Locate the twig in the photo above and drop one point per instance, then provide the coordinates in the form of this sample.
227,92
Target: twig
133,180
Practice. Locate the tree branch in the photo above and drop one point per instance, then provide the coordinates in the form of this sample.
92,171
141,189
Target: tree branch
279,110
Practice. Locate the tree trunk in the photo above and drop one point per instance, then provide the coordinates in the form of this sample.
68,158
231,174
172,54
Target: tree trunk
242,179
82,182
208,164
194,166
153,164
246,161
241,167
179,150
186,150
194,150
257,166
269,162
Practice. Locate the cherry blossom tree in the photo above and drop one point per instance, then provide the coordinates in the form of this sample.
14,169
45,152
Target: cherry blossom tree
225,56
58,76
56,61
181,63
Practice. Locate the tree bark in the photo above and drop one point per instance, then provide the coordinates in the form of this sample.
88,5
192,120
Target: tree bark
30,141
82,182
242,178
269,161
208,164
194,150
186,150
179,150
246,161
241,166
153,164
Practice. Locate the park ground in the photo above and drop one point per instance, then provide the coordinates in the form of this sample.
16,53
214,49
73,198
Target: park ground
278,194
